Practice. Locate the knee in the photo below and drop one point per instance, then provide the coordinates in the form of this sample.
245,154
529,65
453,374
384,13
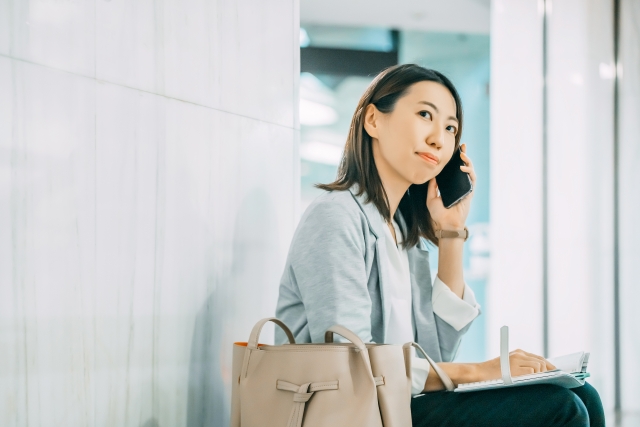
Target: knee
591,399
588,394
566,408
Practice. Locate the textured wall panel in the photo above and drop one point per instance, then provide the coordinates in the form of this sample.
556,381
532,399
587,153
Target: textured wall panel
145,215
629,137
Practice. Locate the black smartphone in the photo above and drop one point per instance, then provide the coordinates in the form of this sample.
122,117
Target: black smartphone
453,183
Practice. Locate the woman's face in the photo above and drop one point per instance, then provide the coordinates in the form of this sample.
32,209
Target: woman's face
416,140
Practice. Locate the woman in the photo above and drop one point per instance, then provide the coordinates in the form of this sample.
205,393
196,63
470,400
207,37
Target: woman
358,258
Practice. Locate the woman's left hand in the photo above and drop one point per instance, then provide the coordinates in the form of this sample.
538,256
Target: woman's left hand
455,217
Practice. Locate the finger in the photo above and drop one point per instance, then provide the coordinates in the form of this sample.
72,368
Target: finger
525,355
466,159
519,371
536,365
527,359
471,172
463,148
468,164
468,169
532,355
432,190
550,366
519,360
542,359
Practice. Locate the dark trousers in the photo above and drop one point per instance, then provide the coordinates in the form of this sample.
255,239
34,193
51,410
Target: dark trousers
536,405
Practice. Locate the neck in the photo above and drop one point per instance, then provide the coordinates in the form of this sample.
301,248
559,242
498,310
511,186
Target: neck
394,185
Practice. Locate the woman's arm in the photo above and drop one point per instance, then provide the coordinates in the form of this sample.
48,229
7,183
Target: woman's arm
454,218
521,362
450,264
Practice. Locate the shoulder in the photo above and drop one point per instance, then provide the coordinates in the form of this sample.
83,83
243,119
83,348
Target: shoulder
333,216
334,209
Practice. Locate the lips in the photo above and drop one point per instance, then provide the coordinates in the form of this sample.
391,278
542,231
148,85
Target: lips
430,158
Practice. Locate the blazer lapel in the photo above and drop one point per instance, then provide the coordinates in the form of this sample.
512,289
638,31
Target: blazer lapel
423,317
376,226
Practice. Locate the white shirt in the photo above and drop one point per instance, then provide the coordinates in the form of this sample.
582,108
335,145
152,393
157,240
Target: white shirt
457,312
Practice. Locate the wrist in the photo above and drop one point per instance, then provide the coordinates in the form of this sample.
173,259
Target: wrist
464,372
478,372
471,374
450,226
449,234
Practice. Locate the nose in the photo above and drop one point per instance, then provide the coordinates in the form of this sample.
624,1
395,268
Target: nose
436,136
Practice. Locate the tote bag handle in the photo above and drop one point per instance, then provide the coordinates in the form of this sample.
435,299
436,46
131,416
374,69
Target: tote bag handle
252,344
448,384
346,333
255,332
355,340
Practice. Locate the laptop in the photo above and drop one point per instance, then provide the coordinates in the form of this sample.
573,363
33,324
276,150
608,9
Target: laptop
571,372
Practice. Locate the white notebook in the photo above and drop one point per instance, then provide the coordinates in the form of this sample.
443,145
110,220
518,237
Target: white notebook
571,371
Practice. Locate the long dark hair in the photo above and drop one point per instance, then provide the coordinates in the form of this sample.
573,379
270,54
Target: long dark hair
358,166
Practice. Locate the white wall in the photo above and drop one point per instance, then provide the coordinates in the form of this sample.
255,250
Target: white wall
514,290
148,192
630,206
580,185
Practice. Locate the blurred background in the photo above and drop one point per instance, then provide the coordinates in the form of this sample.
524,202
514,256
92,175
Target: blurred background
156,156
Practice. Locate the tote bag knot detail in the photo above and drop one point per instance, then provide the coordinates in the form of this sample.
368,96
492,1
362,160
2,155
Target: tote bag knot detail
301,395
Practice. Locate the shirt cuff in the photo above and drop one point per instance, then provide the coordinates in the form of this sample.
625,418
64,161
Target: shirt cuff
419,373
458,312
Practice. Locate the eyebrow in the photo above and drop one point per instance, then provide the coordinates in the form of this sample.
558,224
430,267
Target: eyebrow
436,108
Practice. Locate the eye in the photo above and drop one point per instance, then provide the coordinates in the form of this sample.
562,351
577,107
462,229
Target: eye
452,129
427,114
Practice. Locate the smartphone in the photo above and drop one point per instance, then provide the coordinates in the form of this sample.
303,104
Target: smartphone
453,183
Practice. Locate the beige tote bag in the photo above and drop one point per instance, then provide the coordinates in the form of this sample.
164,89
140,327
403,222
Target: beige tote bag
322,385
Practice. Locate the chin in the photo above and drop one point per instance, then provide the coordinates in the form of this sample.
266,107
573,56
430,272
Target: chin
419,179
423,173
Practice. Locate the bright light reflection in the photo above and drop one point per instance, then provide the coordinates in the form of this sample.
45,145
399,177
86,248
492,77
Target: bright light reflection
607,71
321,152
315,114
304,38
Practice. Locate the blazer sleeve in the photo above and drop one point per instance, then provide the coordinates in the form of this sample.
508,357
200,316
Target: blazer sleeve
456,311
448,337
328,263
454,319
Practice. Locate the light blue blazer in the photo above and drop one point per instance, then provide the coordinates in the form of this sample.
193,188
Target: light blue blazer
333,275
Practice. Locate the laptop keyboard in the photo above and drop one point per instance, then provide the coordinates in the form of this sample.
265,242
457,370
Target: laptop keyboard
519,379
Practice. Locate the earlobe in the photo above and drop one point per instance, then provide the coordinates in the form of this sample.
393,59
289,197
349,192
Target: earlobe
370,121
